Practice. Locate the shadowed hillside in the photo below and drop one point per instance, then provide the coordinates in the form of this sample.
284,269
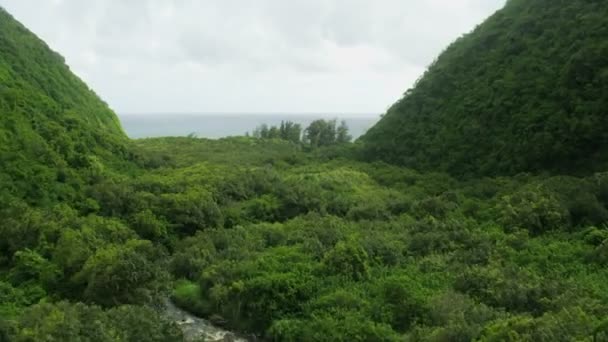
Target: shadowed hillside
525,91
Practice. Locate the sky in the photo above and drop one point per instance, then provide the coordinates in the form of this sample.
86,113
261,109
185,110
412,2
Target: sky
250,56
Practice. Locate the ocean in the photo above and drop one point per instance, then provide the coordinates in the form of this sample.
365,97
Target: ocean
216,126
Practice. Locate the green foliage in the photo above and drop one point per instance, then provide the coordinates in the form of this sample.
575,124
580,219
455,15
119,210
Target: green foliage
321,133
342,135
403,301
31,267
12,299
191,211
566,325
148,226
600,254
188,295
522,92
77,322
453,317
288,242
346,327
124,274
288,131
234,151
534,210
52,127
251,294
348,259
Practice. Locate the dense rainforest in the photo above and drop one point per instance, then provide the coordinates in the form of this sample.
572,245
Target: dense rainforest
525,91
413,233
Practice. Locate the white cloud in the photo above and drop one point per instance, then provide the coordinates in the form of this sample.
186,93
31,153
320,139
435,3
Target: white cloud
250,56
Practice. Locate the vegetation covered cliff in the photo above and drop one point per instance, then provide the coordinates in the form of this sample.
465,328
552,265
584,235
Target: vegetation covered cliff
527,90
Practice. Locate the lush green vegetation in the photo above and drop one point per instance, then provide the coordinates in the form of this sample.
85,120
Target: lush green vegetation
341,250
525,91
288,130
292,245
54,132
289,239
58,143
319,133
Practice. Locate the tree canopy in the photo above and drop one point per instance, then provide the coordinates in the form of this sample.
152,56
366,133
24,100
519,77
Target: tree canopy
291,235
525,91
319,133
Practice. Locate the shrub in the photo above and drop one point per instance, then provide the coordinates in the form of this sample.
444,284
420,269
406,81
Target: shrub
187,295
348,259
533,209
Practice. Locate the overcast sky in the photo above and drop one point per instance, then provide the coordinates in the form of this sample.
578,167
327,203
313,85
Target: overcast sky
333,56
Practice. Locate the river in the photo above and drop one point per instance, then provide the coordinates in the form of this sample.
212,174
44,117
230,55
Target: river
196,329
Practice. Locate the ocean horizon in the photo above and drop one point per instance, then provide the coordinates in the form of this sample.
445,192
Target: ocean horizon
221,125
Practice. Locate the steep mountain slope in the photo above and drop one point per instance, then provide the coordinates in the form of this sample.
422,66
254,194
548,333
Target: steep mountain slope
51,123
525,91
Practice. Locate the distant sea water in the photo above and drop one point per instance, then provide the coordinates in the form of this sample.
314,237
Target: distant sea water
215,126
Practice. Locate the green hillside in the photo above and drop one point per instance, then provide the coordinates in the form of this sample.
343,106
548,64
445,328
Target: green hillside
290,239
525,91
51,123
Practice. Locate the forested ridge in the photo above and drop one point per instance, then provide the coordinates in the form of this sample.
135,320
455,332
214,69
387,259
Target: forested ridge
527,90
297,234
53,126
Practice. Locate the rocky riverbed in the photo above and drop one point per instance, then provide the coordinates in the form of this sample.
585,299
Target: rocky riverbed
198,329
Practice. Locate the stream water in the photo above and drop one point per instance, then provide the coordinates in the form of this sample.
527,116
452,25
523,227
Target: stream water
197,329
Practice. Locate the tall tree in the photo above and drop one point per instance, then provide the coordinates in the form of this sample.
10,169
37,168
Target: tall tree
321,133
291,131
343,136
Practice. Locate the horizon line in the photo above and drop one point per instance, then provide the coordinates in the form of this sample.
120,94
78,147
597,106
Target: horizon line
324,114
